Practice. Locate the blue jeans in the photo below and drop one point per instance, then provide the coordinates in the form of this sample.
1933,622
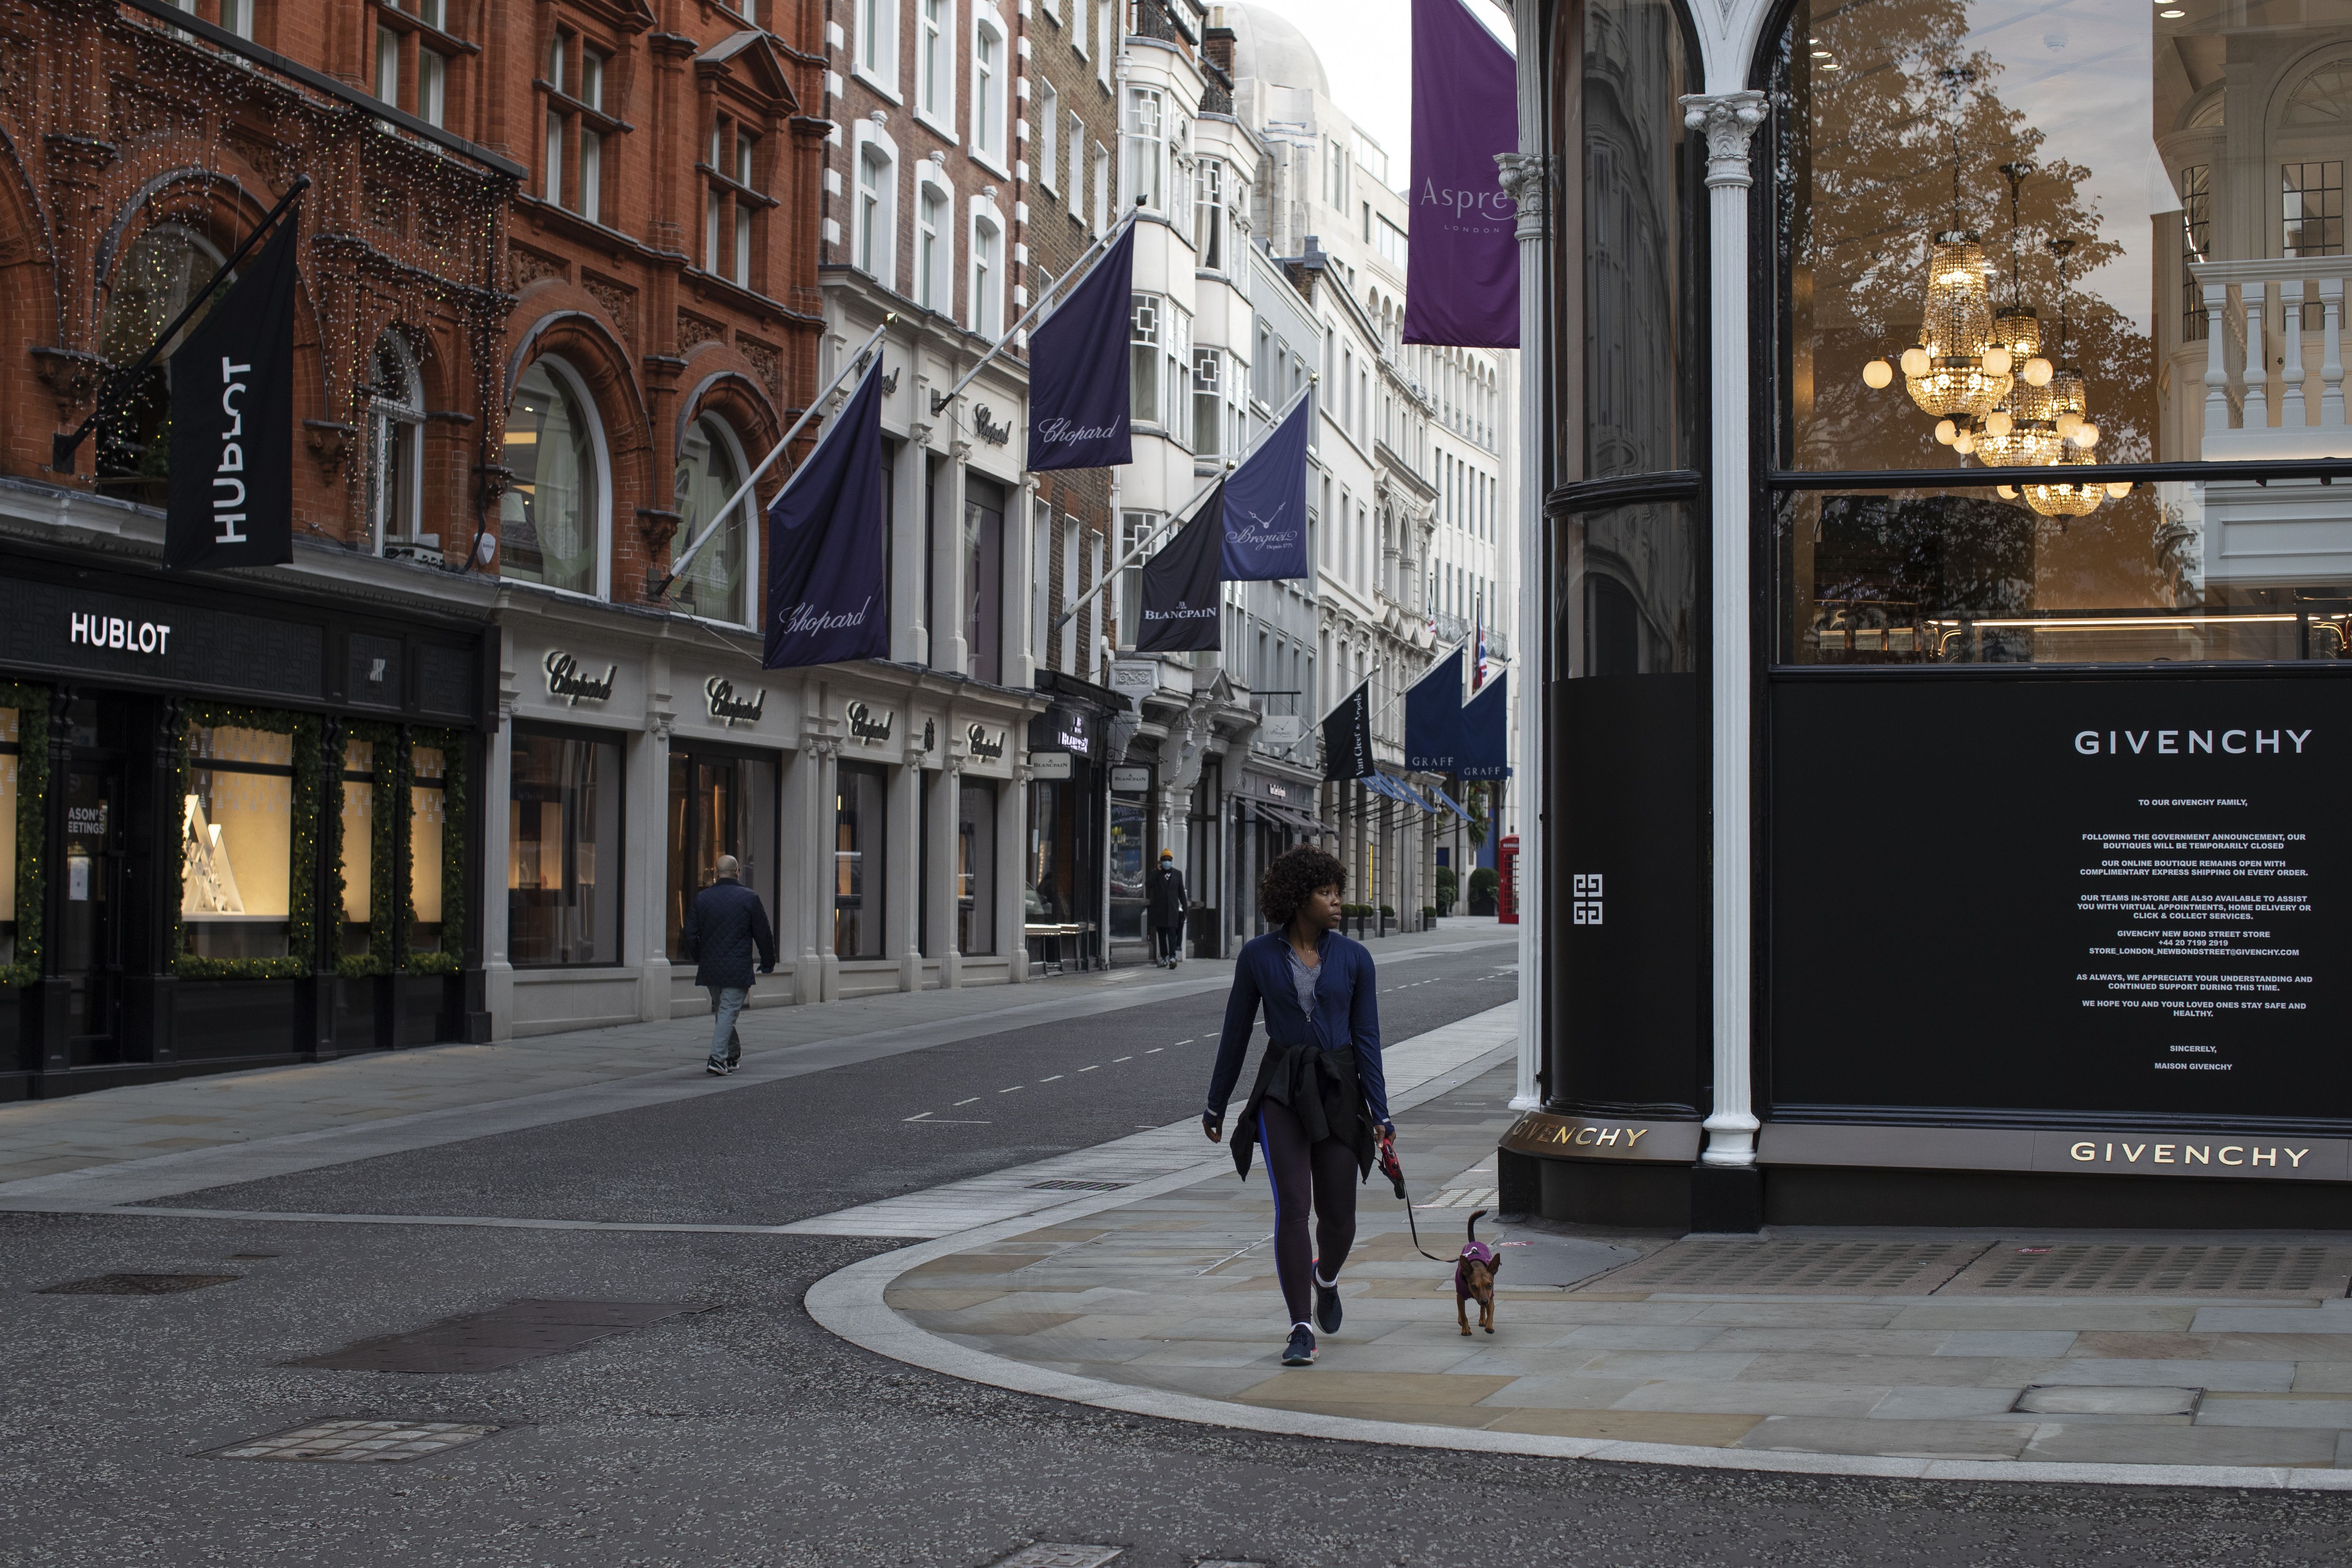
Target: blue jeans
726,1004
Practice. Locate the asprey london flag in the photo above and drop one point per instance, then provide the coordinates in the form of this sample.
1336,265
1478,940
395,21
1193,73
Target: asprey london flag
1265,507
1462,252
828,601
1079,369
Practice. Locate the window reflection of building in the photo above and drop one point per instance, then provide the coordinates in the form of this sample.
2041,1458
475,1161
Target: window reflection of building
237,828
564,849
719,804
168,264
860,865
976,867
551,515
715,583
1129,835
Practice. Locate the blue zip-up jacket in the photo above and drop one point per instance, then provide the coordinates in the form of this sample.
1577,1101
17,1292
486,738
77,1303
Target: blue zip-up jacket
1347,1011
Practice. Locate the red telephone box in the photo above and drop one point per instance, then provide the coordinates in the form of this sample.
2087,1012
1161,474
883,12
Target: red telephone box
1506,879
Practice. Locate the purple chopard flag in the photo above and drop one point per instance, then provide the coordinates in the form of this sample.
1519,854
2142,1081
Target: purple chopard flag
827,600
1461,254
1079,369
1265,508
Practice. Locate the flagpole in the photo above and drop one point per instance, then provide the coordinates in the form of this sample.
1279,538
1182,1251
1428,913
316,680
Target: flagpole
1108,578
65,443
678,563
942,399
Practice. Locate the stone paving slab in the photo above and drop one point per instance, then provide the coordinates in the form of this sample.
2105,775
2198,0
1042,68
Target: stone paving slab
2155,1388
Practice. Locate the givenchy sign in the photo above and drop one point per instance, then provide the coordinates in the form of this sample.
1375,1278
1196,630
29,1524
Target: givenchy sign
566,680
2104,1154
864,724
1603,1138
730,708
2187,743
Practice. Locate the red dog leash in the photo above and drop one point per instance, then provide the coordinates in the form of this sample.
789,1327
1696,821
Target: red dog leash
1394,1169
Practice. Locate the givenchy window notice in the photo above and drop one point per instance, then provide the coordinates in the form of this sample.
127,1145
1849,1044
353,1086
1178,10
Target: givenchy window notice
2123,895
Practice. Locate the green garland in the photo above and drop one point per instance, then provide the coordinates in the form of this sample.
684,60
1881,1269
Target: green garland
396,775
31,827
301,926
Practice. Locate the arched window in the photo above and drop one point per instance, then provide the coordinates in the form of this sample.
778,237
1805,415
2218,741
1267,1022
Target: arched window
395,447
715,583
551,517
2323,99
164,268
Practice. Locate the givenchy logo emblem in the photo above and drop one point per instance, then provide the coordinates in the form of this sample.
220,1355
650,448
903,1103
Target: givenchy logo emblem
2186,742
725,705
865,726
565,680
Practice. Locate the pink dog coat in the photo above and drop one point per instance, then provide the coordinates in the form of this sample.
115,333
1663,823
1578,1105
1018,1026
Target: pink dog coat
1472,1252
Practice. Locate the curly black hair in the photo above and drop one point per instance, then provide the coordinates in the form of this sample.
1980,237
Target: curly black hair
1290,877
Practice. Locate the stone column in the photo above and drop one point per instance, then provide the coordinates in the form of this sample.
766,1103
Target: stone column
498,790
1527,177
909,637
939,875
901,899
1017,611
645,935
947,649
1728,122
1011,824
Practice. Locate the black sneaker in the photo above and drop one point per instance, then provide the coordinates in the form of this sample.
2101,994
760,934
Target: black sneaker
1301,1351
1327,1307
716,1070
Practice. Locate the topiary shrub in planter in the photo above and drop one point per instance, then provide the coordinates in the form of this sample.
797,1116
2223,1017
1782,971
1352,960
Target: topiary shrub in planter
1483,882
1449,889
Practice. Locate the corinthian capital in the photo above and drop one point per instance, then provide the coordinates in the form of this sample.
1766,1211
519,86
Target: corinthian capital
1729,120
1526,178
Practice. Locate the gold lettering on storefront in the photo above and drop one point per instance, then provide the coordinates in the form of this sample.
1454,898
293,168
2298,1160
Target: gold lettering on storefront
2089,1152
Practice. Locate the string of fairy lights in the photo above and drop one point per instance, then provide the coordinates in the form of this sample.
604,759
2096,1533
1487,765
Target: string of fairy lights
397,234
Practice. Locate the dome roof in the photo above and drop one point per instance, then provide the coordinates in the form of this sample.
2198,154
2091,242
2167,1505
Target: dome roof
1270,48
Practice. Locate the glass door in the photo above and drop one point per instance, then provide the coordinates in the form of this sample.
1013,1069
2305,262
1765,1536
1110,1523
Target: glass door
90,942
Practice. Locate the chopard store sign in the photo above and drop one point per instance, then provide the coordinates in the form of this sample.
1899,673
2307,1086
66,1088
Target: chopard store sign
730,709
869,724
987,745
1603,1138
565,678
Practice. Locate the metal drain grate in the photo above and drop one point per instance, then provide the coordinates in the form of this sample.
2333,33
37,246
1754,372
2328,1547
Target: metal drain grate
502,1337
1059,1554
2124,1269
1064,1185
136,1284
357,1442
1794,1268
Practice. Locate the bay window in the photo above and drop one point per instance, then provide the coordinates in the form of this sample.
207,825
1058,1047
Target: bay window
1146,148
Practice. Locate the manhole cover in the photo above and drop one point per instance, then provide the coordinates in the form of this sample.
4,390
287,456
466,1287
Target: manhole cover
1059,1554
136,1284
1060,1185
1794,1268
485,1342
358,1442
2120,1268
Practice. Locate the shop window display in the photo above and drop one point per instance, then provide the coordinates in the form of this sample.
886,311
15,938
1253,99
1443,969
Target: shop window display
859,863
976,867
564,849
2035,244
719,805
237,826
11,773
1130,843
428,841
358,841
551,515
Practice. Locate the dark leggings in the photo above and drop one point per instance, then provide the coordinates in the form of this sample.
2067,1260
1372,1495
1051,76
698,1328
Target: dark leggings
1325,1176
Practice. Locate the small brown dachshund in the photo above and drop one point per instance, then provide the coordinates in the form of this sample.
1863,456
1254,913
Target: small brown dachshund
1473,1278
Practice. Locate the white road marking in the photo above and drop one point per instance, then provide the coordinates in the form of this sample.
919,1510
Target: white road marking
974,1098
1122,1059
1090,1069
917,1118
1155,1050
1016,1088
1049,1079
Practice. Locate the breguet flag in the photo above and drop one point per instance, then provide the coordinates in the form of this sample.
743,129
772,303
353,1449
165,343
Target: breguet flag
828,601
1265,507
1462,251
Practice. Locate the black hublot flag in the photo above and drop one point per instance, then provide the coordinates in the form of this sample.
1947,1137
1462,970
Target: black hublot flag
1181,607
231,496
1348,738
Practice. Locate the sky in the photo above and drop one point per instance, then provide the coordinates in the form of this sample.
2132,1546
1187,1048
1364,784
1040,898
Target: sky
1367,49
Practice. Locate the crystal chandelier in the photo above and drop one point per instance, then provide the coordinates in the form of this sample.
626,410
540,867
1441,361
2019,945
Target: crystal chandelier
2070,408
2020,429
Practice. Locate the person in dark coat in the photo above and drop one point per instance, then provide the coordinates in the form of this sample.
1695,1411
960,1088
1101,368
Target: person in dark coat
722,929
1320,1108
1165,889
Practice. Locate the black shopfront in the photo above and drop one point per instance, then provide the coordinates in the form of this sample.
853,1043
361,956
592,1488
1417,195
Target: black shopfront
1943,814
239,824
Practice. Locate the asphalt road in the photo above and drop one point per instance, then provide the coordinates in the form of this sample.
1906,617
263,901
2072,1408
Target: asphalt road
745,1435
770,1153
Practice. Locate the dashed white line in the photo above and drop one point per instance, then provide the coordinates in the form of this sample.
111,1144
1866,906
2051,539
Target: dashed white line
1155,1050
1122,1059
916,1118
1049,1079
973,1100
1090,1069
1016,1088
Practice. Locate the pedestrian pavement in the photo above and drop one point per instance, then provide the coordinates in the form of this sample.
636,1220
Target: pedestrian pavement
144,1141
2200,1360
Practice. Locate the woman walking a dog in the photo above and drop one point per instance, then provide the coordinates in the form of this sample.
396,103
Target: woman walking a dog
1320,1103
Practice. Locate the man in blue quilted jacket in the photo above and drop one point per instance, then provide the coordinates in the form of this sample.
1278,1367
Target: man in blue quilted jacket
721,929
